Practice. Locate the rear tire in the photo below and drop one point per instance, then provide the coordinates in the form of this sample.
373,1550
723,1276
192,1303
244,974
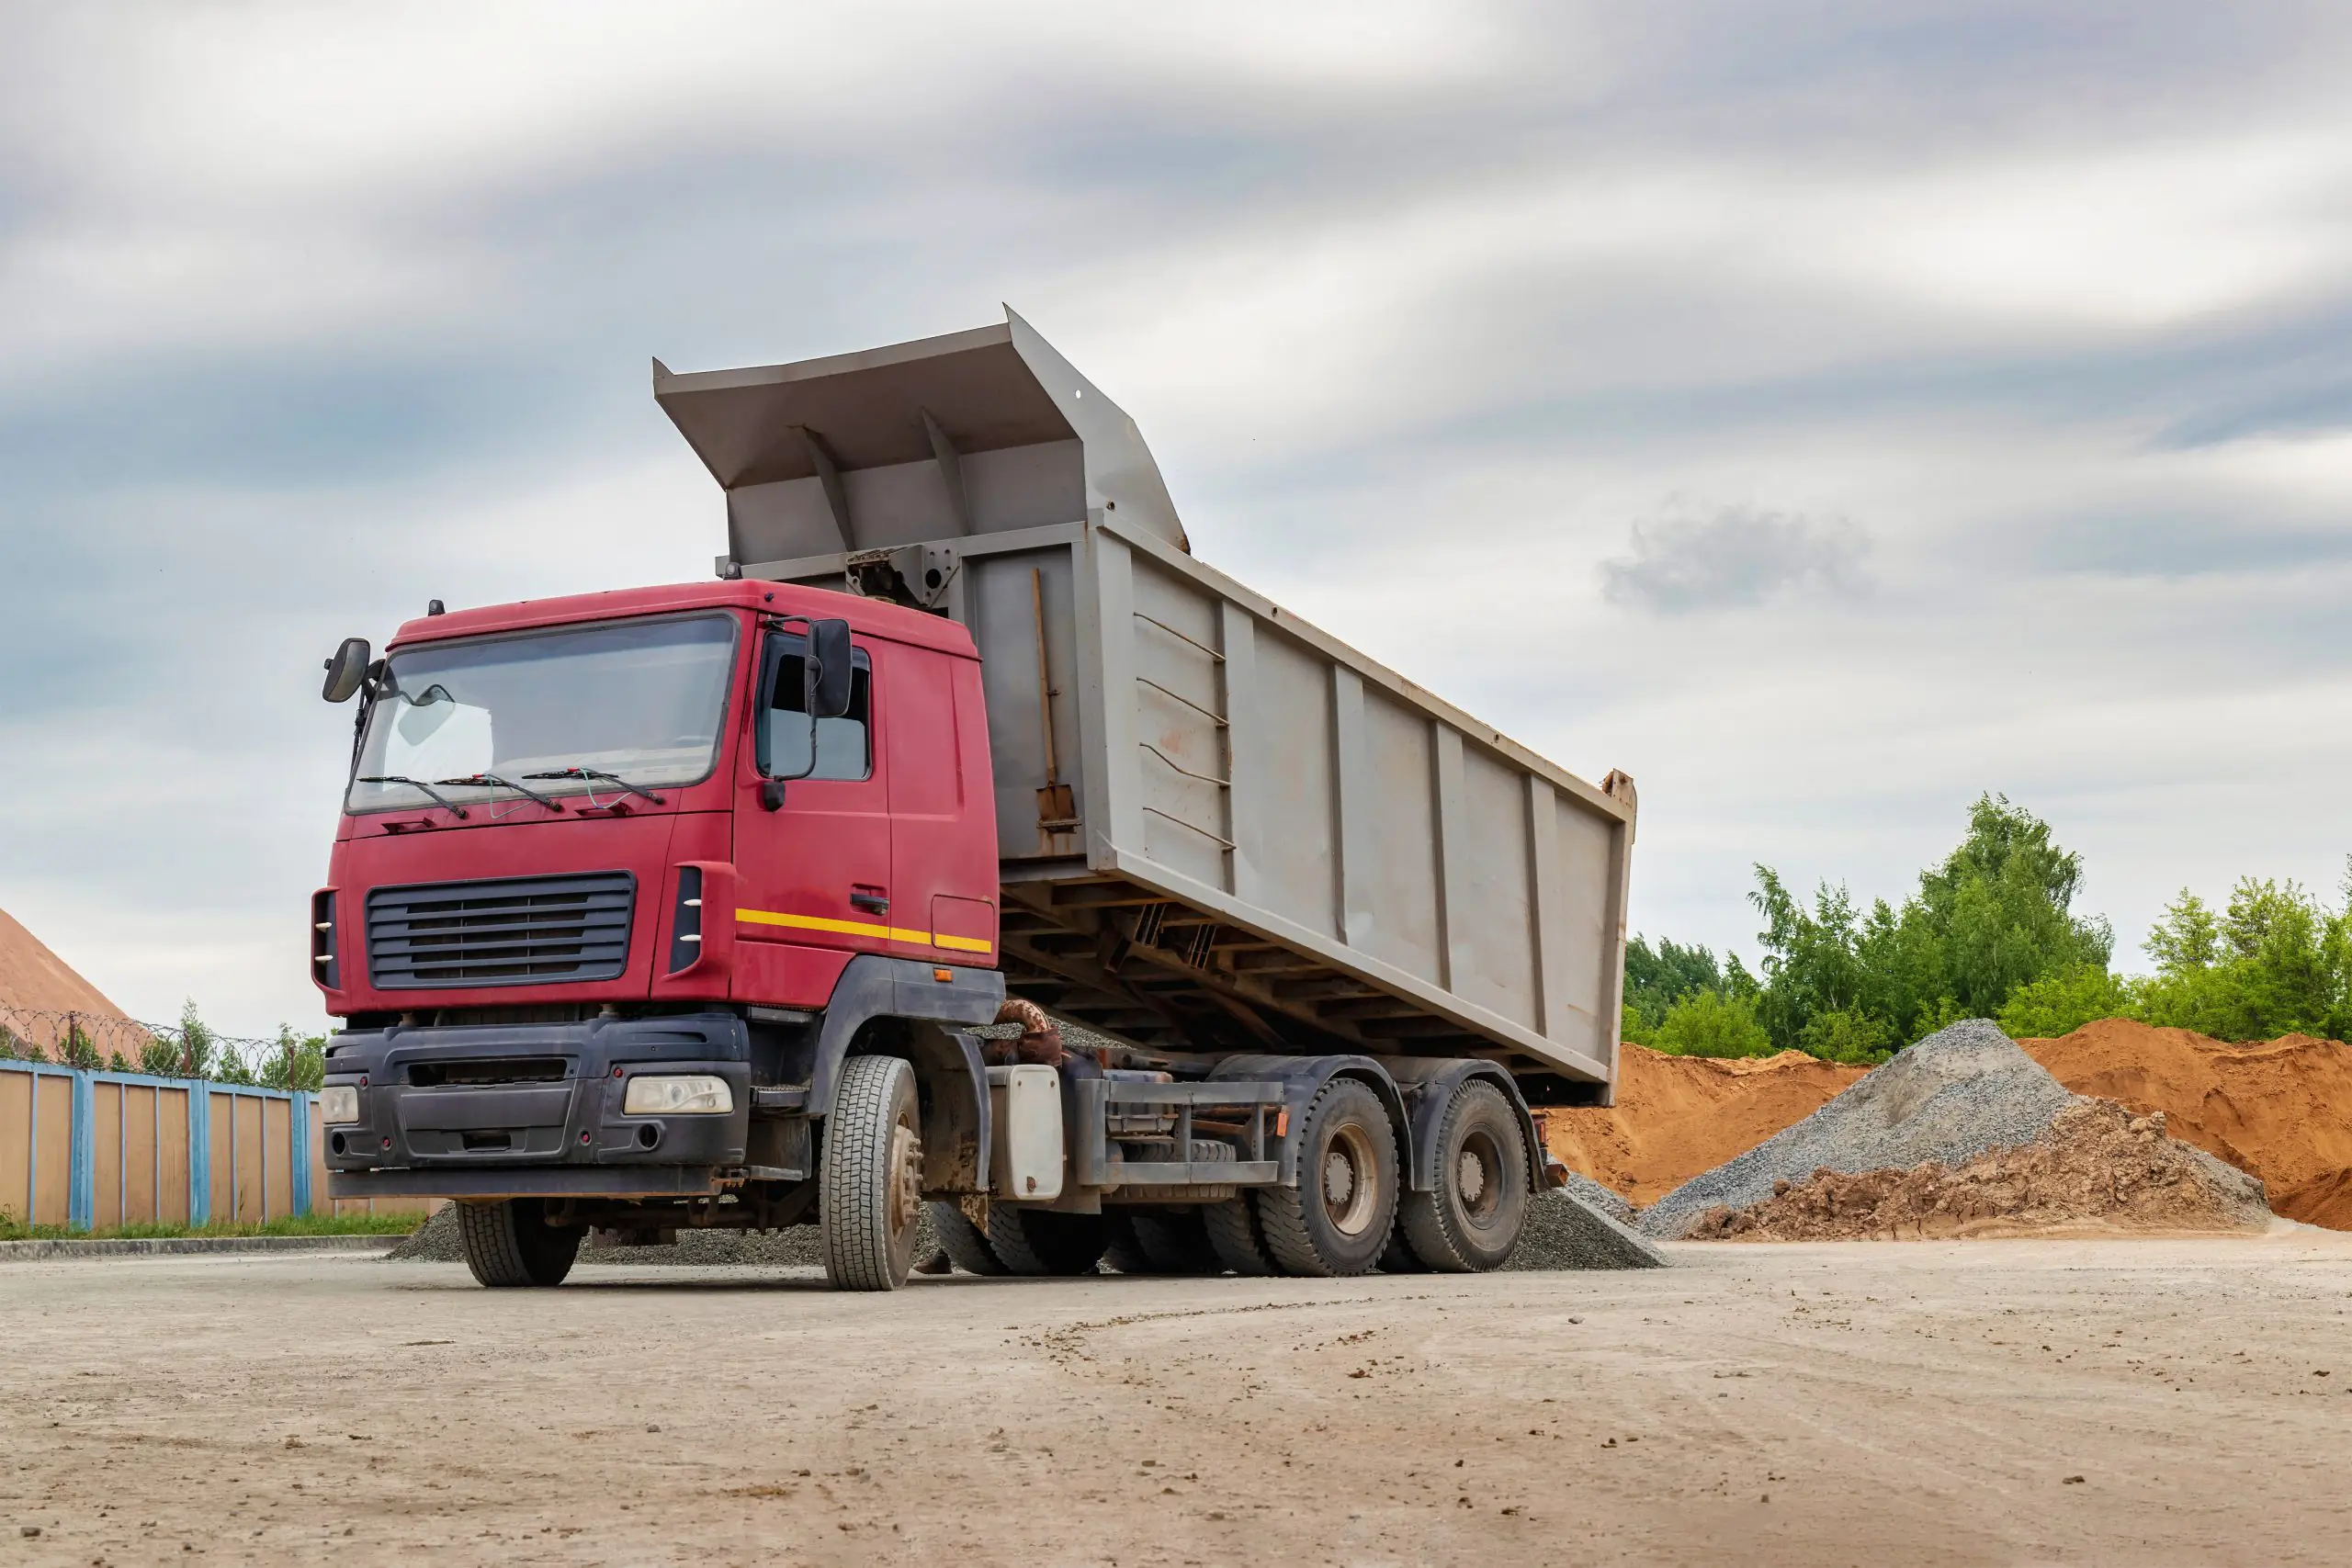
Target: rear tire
1038,1241
1175,1242
1472,1221
1121,1252
510,1243
1236,1238
1399,1257
870,1175
1336,1221
1163,1241
965,1244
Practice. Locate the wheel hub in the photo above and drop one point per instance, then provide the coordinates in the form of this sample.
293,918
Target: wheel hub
1471,1176
1351,1182
906,1177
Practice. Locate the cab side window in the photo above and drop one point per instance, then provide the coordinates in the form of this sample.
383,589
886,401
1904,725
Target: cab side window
844,745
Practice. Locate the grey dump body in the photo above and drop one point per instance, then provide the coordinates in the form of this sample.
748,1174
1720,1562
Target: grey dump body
1220,828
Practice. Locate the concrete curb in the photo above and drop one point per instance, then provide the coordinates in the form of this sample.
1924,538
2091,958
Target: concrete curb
161,1247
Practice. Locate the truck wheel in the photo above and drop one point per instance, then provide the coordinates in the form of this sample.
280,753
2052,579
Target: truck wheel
1122,1253
1472,1221
870,1175
510,1243
1175,1242
965,1246
1166,1242
1236,1238
1336,1221
1399,1257
1036,1241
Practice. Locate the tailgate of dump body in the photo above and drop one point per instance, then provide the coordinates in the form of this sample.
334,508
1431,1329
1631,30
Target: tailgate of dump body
1220,828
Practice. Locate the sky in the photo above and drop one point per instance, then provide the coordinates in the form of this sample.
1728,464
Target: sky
1824,413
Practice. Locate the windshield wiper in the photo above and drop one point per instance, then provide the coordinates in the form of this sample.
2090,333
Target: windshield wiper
597,773
488,779
438,798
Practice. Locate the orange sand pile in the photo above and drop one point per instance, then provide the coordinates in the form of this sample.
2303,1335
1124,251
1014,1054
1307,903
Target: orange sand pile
1676,1116
2098,1171
2280,1110
33,977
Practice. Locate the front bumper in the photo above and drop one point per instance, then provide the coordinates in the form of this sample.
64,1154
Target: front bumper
509,1109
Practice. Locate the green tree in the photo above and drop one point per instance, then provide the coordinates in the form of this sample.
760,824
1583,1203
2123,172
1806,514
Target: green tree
1995,916
1713,1024
299,1063
160,1056
196,1046
2275,961
1813,961
1658,977
2062,1002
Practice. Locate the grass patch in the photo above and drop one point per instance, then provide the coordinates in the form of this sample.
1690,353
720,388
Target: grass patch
292,1224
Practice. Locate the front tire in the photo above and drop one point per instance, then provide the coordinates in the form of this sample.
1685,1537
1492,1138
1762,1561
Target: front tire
1472,1221
510,1243
1336,1221
870,1175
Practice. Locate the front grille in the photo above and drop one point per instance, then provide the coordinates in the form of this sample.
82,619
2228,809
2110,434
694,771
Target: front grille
485,1071
520,931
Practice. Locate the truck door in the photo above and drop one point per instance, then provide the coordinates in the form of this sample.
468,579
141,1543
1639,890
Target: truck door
943,871
814,875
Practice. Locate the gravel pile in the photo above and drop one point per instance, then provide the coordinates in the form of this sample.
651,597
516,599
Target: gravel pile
1954,1095
435,1241
1564,1231
1593,1195
2097,1169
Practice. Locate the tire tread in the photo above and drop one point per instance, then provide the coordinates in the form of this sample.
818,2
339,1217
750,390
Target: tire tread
854,1175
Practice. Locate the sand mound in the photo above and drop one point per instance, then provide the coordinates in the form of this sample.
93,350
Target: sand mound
2280,1110
2326,1201
2097,1169
1676,1116
36,984
1948,1098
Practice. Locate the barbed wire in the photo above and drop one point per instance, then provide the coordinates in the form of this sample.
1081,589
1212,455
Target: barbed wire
188,1050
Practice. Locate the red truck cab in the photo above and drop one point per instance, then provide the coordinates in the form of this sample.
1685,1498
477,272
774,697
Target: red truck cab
599,838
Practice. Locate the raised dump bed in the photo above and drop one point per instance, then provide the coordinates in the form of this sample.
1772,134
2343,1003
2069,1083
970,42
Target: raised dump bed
1220,829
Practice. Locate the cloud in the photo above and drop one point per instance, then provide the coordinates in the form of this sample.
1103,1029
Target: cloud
306,315
1734,560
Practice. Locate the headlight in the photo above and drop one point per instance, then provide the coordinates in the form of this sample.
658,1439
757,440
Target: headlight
338,1103
677,1094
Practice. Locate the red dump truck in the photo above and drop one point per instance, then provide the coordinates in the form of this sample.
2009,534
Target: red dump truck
694,905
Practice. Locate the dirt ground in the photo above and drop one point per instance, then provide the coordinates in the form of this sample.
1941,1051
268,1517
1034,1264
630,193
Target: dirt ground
2171,1401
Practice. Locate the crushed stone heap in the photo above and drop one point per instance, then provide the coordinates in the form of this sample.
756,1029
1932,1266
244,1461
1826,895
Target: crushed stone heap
2098,1168
1948,1098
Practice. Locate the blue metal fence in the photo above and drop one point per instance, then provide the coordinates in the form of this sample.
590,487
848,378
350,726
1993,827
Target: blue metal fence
30,1139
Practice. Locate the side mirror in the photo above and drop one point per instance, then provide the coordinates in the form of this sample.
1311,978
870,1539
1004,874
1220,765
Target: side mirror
346,670
828,667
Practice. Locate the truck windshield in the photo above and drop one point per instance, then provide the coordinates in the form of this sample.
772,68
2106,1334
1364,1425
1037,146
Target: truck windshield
639,700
